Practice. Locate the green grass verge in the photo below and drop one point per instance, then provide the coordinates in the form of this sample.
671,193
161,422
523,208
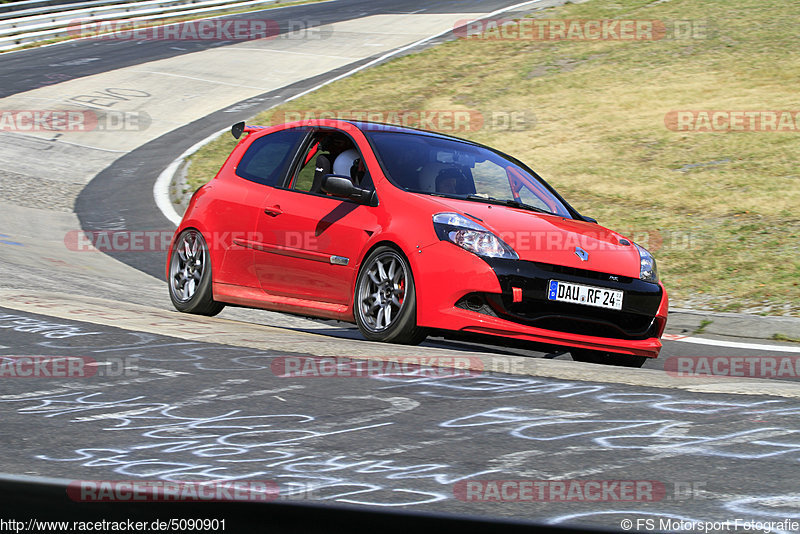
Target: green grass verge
783,337
719,210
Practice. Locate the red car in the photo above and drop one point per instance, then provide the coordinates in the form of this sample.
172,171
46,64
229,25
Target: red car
405,233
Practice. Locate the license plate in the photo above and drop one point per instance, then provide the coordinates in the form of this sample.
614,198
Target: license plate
588,295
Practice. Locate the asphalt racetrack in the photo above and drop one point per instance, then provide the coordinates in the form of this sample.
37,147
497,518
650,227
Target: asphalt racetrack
255,395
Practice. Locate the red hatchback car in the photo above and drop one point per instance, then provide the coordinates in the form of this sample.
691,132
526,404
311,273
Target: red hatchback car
406,232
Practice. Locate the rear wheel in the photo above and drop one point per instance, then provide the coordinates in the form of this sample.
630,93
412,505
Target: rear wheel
385,301
607,358
190,275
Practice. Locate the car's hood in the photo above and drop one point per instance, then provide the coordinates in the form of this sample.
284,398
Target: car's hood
551,238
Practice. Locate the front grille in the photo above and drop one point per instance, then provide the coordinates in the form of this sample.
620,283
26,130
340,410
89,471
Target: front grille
634,321
563,317
583,273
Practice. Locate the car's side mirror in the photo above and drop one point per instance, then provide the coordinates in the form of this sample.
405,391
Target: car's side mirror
341,186
589,219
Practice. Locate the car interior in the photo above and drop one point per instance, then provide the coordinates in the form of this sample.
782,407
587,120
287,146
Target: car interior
320,160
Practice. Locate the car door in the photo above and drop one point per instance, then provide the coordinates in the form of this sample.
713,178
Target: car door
312,240
240,197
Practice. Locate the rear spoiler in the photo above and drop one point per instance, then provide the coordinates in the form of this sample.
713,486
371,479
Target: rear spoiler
239,128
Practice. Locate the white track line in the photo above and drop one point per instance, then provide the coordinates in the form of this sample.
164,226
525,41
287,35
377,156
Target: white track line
407,47
730,344
161,187
210,17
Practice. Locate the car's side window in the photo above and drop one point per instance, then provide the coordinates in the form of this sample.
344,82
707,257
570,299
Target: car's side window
529,197
329,152
304,180
268,157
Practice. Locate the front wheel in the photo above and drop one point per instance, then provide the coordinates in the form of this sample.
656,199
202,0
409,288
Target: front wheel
190,275
385,300
607,358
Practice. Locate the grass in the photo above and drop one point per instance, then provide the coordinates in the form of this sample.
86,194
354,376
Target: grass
705,323
782,337
719,210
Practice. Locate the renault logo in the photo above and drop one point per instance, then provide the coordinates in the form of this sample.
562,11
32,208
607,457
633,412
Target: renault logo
582,254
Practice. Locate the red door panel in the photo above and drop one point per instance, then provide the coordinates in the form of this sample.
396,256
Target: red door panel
310,245
233,216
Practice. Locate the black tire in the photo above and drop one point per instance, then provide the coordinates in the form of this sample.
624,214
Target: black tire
385,286
190,275
607,358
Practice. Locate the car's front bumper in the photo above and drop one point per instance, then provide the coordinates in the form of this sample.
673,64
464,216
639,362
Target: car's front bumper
458,291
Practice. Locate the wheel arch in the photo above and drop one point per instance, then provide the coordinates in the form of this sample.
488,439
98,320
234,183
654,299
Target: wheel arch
369,250
204,292
409,331
197,226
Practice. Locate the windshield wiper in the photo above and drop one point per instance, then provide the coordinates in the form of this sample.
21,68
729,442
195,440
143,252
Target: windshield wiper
506,202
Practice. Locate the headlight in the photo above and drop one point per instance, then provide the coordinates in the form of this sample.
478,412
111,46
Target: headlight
471,236
647,265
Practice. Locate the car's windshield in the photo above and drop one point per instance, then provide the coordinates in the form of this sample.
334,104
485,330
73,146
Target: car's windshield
448,167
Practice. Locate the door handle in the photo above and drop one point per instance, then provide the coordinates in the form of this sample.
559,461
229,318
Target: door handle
273,211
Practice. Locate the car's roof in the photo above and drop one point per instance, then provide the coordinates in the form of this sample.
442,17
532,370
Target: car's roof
367,126
364,126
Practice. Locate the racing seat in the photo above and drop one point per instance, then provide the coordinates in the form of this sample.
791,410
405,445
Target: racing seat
433,174
322,167
427,176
